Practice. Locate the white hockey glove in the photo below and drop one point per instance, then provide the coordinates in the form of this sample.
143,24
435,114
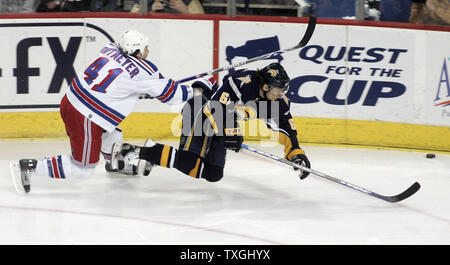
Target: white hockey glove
205,84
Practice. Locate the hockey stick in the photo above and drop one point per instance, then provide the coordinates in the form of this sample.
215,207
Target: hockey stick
408,192
302,43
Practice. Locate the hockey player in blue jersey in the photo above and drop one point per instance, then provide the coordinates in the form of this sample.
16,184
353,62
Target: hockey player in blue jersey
210,124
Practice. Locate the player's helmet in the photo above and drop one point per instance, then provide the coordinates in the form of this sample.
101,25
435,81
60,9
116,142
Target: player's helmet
275,76
133,41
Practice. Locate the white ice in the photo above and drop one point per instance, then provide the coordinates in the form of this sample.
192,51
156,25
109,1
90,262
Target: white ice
258,201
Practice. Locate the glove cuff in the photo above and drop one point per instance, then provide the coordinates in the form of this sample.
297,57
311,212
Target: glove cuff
295,152
205,84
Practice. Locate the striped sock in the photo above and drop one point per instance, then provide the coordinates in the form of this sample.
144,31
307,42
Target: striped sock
159,154
55,167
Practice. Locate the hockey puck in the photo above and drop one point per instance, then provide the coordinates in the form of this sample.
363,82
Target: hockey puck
431,155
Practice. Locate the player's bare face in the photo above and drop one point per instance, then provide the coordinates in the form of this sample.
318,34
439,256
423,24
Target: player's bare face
274,94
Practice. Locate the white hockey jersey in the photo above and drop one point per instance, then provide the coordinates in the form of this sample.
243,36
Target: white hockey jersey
107,91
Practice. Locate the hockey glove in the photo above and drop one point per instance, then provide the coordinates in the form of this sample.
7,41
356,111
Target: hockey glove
301,160
233,142
233,137
205,84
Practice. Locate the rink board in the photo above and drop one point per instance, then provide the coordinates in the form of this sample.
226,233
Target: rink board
361,85
140,126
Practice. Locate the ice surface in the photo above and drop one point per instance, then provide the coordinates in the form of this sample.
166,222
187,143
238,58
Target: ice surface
258,201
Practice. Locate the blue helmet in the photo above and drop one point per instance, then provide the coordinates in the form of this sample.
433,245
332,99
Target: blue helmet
275,76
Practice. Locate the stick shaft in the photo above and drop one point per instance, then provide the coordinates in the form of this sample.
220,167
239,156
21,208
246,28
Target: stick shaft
302,43
410,191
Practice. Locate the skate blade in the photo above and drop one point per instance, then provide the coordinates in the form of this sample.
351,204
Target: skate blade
119,175
14,168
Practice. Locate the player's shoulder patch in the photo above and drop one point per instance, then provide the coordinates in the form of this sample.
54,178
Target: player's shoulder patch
245,79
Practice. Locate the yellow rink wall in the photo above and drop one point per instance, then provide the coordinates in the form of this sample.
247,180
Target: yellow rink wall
166,126
401,74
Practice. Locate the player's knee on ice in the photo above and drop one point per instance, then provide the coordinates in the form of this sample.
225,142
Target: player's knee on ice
212,173
81,172
74,170
63,167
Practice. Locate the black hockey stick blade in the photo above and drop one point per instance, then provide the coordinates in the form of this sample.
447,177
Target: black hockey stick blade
407,193
306,37
309,31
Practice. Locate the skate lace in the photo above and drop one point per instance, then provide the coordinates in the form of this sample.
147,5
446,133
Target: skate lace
127,169
129,157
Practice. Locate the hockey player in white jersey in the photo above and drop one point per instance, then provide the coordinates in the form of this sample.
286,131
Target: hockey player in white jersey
97,100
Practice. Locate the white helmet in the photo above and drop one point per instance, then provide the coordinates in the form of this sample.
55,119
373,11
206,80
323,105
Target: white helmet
132,40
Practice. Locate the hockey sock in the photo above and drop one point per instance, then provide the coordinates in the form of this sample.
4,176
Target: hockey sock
167,156
159,154
61,167
108,139
189,163
51,166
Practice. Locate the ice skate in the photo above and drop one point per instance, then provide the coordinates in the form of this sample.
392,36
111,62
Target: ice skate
125,159
20,173
108,167
118,164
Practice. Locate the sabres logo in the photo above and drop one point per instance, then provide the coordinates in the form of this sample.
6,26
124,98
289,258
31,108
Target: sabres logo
273,72
245,80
